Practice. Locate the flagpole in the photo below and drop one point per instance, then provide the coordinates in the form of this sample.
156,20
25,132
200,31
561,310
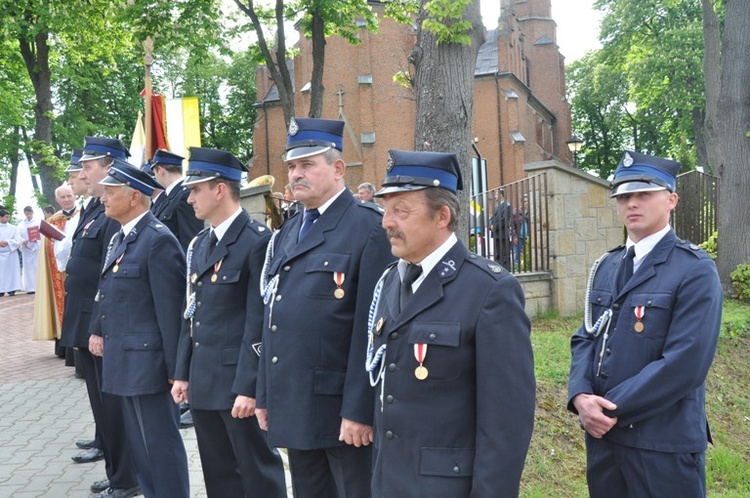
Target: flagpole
148,46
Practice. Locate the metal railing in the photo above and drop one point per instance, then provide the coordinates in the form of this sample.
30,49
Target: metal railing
513,229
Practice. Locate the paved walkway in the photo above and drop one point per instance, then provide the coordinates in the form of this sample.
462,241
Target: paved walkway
43,410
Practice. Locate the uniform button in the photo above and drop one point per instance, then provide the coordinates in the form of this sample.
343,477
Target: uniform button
609,351
649,303
389,434
392,367
287,268
325,263
598,300
275,360
145,344
197,344
197,324
604,375
394,335
106,336
432,336
278,298
103,317
456,469
198,304
224,277
199,284
389,398
274,328
616,306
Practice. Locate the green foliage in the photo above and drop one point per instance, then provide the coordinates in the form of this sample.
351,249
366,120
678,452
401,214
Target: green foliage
339,16
711,246
741,282
735,319
644,89
404,79
446,21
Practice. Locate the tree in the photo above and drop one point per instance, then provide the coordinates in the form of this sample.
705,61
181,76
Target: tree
320,19
449,33
727,71
598,95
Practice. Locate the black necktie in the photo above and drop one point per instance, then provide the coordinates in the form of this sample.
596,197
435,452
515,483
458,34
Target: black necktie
115,244
411,274
307,223
212,241
625,269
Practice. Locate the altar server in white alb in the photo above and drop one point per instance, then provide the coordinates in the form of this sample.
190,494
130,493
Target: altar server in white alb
28,236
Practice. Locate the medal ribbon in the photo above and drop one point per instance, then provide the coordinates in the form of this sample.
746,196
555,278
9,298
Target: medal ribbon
639,312
420,351
217,266
338,278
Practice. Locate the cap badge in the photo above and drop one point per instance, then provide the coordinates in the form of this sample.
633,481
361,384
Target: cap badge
391,162
627,161
293,127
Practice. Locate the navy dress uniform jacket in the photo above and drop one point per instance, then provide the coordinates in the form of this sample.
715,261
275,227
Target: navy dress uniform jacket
90,240
178,215
465,429
310,373
212,356
656,377
139,310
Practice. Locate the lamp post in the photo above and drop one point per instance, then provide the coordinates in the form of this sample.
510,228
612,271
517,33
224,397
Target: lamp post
574,145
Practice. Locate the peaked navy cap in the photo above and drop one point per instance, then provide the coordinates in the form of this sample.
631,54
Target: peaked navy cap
408,171
98,147
75,158
209,164
162,156
644,173
122,174
310,136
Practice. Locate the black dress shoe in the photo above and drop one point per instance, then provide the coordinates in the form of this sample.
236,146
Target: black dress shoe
99,485
88,456
86,444
118,493
186,420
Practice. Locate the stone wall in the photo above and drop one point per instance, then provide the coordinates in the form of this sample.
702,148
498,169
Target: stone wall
583,225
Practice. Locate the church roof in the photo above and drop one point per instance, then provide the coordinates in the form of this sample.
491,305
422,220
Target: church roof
487,57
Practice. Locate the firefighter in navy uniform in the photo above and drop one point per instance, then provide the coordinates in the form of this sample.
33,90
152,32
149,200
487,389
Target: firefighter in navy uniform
135,329
321,267
449,352
215,371
640,360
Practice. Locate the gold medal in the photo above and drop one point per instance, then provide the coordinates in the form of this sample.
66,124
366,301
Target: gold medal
193,278
339,293
421,372
214,277
115,268
638,327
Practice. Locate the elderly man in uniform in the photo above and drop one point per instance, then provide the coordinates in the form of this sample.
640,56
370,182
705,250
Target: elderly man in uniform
214,370
171,206
640,360
449,350
136,327
87,255
313,396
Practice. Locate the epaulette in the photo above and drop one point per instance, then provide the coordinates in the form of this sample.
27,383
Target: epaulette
492,267
157,225
694,249
257,227
373,206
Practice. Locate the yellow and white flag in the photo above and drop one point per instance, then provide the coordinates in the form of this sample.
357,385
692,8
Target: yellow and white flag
183,125
138,143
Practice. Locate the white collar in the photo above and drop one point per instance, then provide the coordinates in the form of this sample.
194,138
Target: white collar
222,227
127,227
644,246
429,262
172,185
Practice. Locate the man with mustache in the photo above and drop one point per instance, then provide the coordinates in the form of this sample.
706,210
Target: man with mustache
312,395
449,350
651,325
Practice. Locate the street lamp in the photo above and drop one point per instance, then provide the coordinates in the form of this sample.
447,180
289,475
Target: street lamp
574,145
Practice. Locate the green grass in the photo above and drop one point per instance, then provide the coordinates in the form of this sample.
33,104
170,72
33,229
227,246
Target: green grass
556,463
